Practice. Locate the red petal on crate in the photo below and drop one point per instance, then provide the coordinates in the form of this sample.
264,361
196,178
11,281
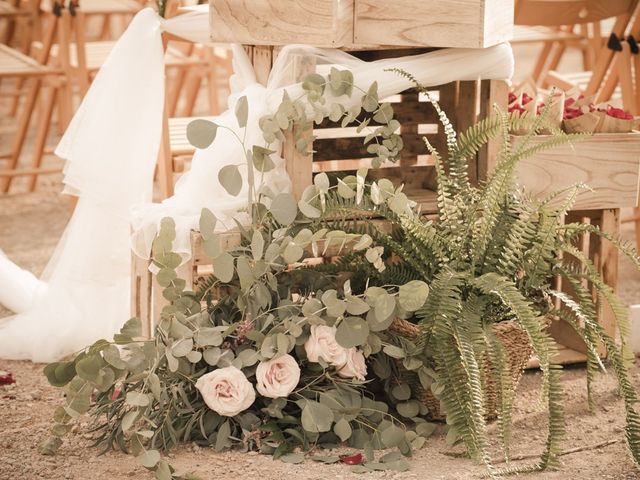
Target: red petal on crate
356,459
6,378
526,98
512,97
618,113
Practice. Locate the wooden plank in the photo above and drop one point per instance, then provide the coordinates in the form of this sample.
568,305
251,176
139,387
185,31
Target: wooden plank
565,356
613,177
323,23
353,147
434,23
492,93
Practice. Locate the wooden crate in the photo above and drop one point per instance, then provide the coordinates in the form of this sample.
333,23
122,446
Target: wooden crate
609,163
323,23
356,24
434,23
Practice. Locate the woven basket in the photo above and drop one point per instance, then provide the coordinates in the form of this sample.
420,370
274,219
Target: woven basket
518,351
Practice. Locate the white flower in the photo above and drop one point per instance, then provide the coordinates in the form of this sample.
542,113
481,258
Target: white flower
278,377
322,344
355,366
226,391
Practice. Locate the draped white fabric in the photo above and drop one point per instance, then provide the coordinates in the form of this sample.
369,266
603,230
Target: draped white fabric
111,148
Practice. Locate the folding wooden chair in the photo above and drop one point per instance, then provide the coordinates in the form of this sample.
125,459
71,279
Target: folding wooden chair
566,16
38,77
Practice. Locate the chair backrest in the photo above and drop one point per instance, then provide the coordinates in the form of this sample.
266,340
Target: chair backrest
569,12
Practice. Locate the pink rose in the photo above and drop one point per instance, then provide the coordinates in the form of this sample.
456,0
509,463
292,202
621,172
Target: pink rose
322,344
278,377
355,367
226,391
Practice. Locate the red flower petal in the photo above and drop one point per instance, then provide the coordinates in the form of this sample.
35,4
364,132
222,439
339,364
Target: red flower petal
356,459
6,378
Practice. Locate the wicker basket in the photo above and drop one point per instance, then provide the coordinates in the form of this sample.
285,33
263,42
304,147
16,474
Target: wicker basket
518,352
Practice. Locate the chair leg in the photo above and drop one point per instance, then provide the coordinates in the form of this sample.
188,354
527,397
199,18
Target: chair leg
21,132
539,68
41,135
192,88
165,168
626,82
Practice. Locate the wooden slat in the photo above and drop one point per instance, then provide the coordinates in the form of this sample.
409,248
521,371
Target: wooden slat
323,23
435,23
14,63
613,178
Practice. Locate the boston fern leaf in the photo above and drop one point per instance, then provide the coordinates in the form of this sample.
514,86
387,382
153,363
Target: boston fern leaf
581,311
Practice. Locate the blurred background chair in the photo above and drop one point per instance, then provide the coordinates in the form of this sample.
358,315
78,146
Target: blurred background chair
79,37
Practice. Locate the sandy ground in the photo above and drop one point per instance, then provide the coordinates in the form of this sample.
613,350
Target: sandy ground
30,226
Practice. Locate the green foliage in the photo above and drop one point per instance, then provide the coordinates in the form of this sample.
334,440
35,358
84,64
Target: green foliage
489,258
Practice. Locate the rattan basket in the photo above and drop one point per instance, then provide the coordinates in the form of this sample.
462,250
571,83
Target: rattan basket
518,352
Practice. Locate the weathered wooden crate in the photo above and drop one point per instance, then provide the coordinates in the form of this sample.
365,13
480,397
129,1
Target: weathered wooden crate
355,24
434,23
323,23
609,163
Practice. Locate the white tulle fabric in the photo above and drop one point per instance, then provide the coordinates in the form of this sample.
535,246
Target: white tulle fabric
111,149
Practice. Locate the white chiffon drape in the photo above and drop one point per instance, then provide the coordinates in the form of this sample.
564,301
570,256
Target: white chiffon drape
111,148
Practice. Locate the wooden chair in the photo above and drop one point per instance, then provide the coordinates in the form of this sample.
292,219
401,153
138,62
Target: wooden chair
576,22
38,77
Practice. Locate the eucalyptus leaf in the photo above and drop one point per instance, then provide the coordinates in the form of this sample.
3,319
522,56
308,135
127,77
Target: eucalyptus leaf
137,399
223,267
352,332
242,111
201,133
413,295
392,436
284,209
292,458
128,420
207,223
149,458
342,429
245,273
257,245
230,178
316,417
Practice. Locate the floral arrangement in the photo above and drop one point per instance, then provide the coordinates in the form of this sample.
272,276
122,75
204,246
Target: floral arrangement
278,354
571,111
268,354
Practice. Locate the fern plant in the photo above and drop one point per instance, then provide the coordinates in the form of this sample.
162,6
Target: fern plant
491,256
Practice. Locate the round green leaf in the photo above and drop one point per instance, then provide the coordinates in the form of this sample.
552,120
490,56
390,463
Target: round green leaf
342,429
223,267
316,417
137,399
401,392
412,295
352,332
207,223
392,436
242,111
408,409
284,208
201,133
230,178
149,458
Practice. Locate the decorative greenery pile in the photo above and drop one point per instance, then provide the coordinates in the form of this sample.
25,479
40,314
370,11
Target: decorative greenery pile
488,258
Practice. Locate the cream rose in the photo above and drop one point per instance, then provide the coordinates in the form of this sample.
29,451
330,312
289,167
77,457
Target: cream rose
322,344
278,377
226,391
355,367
